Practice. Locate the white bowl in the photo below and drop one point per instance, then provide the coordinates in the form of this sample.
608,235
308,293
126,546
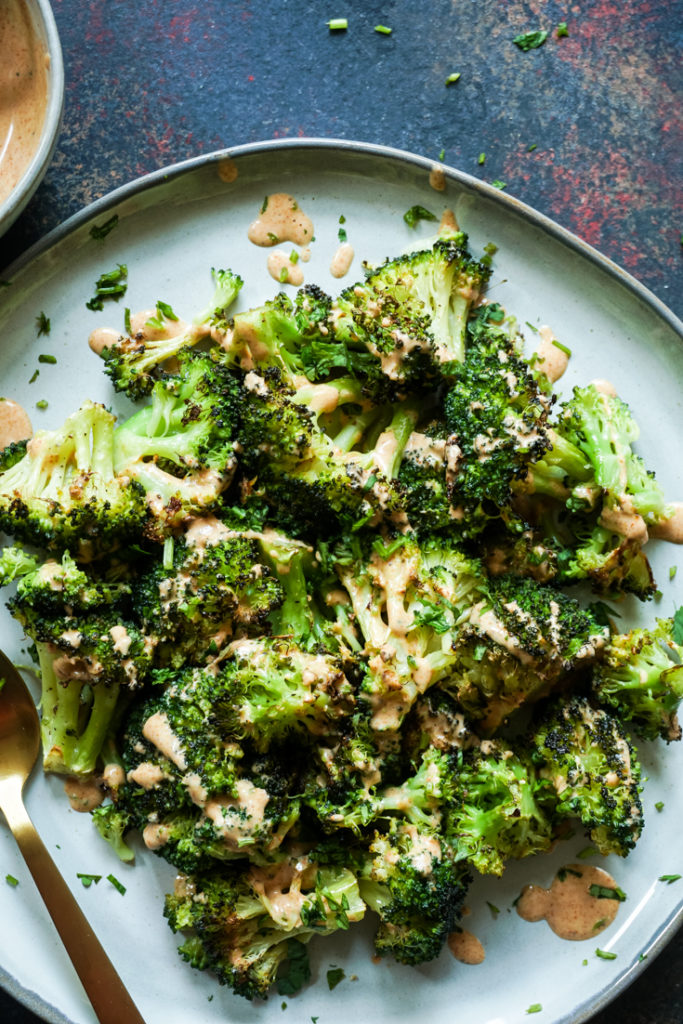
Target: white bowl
43,22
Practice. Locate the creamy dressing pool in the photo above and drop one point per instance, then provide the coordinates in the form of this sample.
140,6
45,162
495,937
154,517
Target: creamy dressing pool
23,93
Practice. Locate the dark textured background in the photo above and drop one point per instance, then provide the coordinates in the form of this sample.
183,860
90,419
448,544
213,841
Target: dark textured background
151,82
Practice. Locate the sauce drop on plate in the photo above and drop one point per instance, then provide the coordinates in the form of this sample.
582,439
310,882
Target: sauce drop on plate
281,219
466,947
568,906
14,422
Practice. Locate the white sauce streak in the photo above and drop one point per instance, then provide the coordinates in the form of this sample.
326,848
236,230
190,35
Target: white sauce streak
342,260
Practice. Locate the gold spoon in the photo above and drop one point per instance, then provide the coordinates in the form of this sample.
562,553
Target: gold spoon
19,746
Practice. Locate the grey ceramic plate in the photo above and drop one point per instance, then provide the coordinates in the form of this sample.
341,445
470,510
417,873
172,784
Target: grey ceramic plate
173,227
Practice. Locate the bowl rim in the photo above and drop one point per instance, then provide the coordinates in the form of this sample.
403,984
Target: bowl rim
44,22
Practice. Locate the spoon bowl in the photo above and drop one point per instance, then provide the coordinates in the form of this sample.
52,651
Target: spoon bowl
19,748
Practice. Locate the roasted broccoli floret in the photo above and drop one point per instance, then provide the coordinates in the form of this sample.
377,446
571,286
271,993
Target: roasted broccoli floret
47,587
585,753
640,678
409,879
214,586
134,364
593,497
497,810
496,414
520,641
408,599
411,312
244,923
64,492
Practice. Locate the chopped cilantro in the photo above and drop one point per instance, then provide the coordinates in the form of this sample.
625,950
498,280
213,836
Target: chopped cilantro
110,285
530,40
481,159
87,880
668,878
677,634
672,571
283,1005
341,235
334,976
284,275
44,358
164,312
442,154
584,963
338,24
604,892
531,148
534,1008
497,183
11,880
605,955
99,231
493,908
643,956
34,378
264,204
126,320
42,323
417,213
659,806
117,885
562,30
383,30
297,970
42,404
452,79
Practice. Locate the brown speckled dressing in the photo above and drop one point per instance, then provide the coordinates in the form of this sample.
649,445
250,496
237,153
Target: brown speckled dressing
23,93
466,947
14,422
568,906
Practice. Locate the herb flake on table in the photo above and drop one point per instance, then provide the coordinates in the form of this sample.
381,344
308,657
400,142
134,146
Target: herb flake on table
669,879
42,323
605,954
100,231
534,1008
42,404
497,183
12,881
415,214
452,79
119,886
87,880
383,30
110,285
562,30
338,24
334,976
481,159
297,969
530,40
45,357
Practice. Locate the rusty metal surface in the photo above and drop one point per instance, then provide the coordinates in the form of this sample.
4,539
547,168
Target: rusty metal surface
586,128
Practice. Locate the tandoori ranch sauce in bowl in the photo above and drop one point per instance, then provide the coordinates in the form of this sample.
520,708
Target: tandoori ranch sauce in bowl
31,98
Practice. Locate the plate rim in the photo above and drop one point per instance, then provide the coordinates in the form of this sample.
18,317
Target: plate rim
521,209
673,923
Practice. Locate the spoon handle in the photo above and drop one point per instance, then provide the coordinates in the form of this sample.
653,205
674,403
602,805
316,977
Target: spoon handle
106,991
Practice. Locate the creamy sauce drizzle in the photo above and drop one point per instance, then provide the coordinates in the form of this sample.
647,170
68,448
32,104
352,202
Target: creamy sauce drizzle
342,260
227,170
437,178
466,947
671,529
553,360
568,906
102,338
84,794
281,268
14,422
23,93
281,220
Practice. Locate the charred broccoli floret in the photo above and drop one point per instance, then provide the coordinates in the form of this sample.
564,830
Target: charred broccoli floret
136,363
640,678
587,757
64,492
